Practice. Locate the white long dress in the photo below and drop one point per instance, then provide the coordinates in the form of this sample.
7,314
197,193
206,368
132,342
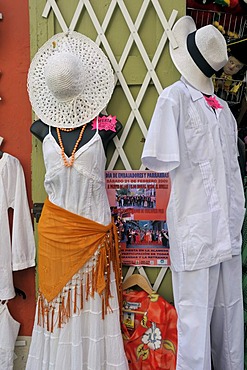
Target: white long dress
87,341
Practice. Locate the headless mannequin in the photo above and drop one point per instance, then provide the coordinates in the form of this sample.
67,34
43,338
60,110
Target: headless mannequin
39,129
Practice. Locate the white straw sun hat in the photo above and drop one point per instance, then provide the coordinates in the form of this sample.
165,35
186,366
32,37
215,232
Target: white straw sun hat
200,53
70,80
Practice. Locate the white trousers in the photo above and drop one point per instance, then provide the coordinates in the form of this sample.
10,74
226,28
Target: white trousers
209,305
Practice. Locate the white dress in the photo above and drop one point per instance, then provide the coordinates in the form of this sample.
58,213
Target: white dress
86,342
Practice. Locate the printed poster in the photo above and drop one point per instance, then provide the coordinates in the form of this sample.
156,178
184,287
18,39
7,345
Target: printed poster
138,200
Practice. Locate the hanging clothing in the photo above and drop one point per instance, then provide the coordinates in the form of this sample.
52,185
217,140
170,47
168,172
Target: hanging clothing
197,145
210,308
17,251
9,329
244,278
149,331
85,341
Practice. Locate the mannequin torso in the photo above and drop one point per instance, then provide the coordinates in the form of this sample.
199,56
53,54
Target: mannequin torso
39,129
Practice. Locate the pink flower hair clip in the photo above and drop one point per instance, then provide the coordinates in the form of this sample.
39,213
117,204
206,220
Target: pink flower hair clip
105,123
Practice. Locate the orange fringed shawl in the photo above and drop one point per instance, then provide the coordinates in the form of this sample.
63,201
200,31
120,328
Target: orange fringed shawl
66,242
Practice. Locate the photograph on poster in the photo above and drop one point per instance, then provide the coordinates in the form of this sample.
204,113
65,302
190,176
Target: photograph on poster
136,197
138,200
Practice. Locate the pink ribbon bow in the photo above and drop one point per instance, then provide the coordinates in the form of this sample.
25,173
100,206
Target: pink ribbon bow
213,102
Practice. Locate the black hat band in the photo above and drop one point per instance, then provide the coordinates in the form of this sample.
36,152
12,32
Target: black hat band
197,57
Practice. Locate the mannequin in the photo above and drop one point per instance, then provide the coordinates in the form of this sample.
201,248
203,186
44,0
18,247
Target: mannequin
237,61
39,129
229,80
70,82
194,138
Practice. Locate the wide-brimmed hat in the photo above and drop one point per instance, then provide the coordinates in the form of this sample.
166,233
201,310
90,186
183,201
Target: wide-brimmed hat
200,53
70,80
238,49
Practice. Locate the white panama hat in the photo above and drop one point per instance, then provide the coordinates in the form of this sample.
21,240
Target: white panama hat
200,53
70,80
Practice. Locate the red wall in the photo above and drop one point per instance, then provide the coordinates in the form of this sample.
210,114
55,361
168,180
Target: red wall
15,120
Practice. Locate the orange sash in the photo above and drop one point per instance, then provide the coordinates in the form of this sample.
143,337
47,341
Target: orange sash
66,242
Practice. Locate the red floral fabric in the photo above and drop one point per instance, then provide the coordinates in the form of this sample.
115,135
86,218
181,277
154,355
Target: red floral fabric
151,343
231,6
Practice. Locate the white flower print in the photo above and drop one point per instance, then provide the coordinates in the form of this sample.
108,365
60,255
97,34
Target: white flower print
152,337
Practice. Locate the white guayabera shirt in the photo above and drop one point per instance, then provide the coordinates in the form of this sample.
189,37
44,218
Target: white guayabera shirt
197,145
17,251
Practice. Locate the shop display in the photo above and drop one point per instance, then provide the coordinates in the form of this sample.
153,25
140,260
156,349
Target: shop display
230,81
77,323
148,327
244,269
193,136
231,7
17,247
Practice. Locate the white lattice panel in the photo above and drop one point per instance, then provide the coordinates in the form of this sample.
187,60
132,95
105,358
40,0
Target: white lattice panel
150,77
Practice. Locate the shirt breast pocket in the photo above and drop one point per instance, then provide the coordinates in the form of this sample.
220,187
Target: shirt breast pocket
198,136
199,143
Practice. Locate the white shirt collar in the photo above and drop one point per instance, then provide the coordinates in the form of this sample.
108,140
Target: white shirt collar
195,94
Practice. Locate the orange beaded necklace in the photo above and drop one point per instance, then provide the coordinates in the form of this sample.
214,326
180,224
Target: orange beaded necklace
72,158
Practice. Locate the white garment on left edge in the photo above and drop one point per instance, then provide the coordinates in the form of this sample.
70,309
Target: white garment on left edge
20,253
209,305
9,329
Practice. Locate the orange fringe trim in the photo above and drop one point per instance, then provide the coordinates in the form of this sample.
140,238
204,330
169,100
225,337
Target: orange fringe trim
67,302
